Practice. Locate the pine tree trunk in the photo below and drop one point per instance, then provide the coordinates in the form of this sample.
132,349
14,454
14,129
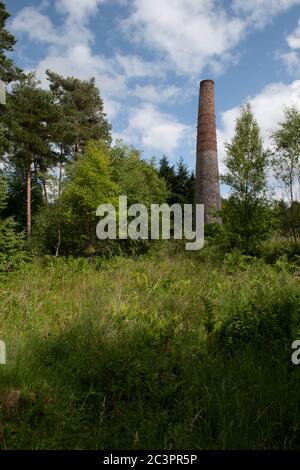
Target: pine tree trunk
28,201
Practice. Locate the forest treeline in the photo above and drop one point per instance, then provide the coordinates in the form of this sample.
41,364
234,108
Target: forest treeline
58,164
168,350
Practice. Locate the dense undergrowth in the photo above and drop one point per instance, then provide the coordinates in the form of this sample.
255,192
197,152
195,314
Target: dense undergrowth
166,351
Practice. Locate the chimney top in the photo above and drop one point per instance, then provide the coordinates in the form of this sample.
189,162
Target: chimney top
207,81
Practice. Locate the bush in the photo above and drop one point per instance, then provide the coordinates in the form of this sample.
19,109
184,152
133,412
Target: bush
236,260
264,322
272,250
12,246
100,176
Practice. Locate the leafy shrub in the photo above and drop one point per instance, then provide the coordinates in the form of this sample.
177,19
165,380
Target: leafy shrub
261,323
213,231
236,260
272,250
100,176
12,246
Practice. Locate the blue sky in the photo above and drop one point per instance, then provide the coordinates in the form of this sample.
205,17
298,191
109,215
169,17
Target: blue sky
148,57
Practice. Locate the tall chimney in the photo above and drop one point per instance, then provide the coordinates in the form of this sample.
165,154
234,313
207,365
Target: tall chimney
207,190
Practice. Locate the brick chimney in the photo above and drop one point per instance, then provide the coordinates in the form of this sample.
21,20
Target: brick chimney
207,190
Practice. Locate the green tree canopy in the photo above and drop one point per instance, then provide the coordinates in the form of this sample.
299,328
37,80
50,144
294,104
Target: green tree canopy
245,215
99,176
286,160
30,115
82,116
8,70
179,180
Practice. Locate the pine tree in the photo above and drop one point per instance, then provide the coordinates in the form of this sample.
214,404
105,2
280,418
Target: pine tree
181,184
8,70
167,172
16,194
31,115
245,215
191,189
82,116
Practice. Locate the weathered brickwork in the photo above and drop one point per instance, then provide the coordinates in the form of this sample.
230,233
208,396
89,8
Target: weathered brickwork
207,173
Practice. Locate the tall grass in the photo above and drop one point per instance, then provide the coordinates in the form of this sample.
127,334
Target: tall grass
150,353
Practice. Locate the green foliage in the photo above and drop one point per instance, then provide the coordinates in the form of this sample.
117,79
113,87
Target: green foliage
81,117
214,231
265,322
46,128
287,218
99,176
277,247
118,356
69,225
246,215
8,70
137,178
236,260
3,192
286,161
183,187
12,244
180,182
167,172
209,318
16,195
89,182
30,114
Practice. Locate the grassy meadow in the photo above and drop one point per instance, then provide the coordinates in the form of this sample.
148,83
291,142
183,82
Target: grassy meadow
166,351
116,339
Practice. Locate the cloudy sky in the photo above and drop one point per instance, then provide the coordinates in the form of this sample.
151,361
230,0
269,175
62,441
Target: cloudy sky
148,57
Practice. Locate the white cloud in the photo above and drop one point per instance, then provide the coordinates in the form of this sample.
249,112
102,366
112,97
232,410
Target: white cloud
80,62
153,94
154,129
69,48
70,51
292,61
185,36
67,56
78,9
291,58
268,107
190,34
70,54
111,107
262,11
294,38
36,25
135,67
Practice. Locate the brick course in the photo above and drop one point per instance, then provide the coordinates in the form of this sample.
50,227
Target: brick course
207,173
